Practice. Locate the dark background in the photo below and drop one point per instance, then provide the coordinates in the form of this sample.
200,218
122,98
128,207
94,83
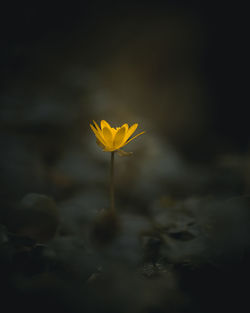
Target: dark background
181,241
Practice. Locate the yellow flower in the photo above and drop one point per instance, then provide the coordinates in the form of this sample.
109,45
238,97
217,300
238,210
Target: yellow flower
112,139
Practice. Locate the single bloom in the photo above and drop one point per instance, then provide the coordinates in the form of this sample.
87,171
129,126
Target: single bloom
112,139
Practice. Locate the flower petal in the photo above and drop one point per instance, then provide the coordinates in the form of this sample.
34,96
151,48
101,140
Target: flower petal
112,139
97,134
135,137
131,130
96,125
119,137
105,124
99,130
126,127
108,136
113,131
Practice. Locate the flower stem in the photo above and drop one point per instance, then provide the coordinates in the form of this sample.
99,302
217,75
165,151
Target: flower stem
112,183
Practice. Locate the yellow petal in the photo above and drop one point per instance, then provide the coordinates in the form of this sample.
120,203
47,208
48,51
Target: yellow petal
108,148
126,127
119,137
96,125
105,124
113,131
135,137
108,136
97,134
99,130
131,130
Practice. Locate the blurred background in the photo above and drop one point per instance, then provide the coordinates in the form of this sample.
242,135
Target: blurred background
174,67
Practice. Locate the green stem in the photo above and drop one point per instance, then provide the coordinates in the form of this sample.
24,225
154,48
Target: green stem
112,183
